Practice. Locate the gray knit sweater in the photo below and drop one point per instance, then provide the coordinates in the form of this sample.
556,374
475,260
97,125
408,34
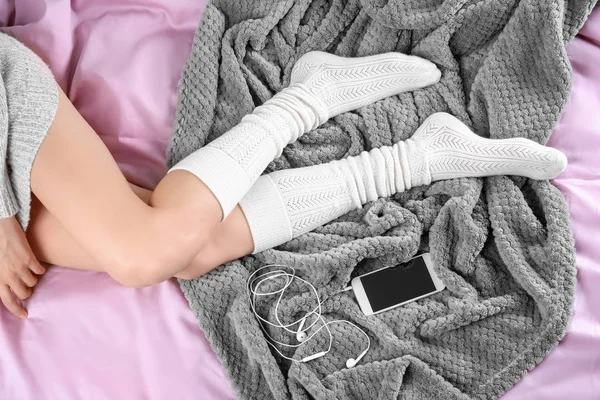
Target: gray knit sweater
28,102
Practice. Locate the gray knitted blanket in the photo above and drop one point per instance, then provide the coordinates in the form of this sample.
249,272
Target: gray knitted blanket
502,245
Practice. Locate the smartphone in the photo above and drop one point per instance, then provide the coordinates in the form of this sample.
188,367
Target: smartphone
391,287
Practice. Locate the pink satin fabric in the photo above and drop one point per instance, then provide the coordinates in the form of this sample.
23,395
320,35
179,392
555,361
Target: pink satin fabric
89,338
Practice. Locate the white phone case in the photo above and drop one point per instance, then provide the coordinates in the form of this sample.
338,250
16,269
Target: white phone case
363,300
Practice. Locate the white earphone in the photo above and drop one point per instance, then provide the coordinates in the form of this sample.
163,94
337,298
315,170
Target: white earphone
301,335
253,285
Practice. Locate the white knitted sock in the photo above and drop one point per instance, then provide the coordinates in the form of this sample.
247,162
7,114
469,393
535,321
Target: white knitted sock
285,204
322,86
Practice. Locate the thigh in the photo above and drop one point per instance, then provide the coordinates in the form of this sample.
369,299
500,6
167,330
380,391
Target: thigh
77,180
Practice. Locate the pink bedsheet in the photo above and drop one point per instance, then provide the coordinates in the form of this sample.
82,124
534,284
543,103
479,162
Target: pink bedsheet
86,337
89,338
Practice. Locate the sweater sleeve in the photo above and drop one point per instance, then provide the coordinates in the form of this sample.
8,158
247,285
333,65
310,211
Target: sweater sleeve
8,202
28,103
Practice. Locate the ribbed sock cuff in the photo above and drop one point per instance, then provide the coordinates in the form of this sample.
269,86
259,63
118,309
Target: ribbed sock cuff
223,175
266,214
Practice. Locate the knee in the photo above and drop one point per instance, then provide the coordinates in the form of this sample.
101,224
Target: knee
142,267
152,265
161,250
203,263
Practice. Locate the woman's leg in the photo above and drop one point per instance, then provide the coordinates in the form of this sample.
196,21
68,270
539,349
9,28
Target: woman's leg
138,244
322,85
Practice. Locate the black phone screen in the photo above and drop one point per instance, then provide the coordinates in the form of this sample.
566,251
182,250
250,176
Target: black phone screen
391,286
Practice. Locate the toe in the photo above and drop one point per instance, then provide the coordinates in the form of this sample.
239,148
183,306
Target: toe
427,72
548,166
558,162
431,75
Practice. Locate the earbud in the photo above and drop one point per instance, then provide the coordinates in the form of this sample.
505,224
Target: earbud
351,363
301,335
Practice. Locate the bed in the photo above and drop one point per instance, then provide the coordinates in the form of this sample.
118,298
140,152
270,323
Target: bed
89,338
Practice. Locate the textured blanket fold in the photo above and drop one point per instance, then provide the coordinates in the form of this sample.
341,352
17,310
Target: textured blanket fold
502,245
